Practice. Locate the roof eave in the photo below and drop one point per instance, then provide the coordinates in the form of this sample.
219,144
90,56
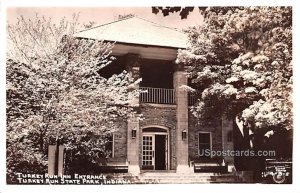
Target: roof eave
137,44
147,45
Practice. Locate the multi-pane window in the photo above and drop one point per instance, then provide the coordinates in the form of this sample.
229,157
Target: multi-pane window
147,150
204,144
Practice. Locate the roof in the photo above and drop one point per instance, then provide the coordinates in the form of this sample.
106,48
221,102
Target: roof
135,30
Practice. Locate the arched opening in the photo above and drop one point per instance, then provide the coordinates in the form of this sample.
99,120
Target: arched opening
155,148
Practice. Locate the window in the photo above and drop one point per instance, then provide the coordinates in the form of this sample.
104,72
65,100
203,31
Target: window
204,144
109,146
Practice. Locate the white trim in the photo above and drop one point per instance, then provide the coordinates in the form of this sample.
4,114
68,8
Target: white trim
210,134
158,126
167,134
152,148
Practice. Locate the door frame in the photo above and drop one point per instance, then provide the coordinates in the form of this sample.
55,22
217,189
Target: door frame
167,134
210,143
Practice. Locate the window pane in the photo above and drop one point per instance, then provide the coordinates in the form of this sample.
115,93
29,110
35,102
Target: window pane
204,137
204,146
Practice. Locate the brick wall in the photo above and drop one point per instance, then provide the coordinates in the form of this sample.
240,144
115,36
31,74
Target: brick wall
165,115
120,143
160,115
195,127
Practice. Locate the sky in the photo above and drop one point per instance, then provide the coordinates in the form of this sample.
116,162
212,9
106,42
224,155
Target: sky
102,15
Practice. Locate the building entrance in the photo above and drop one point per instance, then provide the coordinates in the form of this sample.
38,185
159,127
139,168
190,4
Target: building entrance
155,152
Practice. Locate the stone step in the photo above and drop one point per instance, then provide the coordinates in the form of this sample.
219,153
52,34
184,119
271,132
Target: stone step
179,174
199,179
176,178
187,178
181,178
185,175
187,181
174,182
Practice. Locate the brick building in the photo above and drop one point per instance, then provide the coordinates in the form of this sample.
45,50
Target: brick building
168,137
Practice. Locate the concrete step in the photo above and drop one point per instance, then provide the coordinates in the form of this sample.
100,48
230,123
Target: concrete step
187,181
196,175
166,181
176,178
185,178
190,179
178,174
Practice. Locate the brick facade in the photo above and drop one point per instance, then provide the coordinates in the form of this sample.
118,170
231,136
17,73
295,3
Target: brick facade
161,115
165,116
120,143
195,127
176,118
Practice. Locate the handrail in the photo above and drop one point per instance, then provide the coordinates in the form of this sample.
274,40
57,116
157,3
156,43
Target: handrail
157,95
162,96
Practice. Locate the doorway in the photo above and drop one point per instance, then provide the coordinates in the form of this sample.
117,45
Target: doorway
160,151
155,153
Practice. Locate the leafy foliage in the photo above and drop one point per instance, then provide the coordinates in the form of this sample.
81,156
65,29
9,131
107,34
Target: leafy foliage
55,91
240,61
185,11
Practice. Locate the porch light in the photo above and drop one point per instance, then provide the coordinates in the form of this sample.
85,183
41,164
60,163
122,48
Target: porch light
184,134
133,133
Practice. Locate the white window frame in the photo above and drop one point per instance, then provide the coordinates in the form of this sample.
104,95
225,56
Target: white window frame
210,142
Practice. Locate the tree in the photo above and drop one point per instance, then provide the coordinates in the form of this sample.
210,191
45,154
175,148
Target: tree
90,24
185,11
240,62
55,91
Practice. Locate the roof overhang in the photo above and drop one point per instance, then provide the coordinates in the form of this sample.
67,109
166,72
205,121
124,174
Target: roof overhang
145,51
139,36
